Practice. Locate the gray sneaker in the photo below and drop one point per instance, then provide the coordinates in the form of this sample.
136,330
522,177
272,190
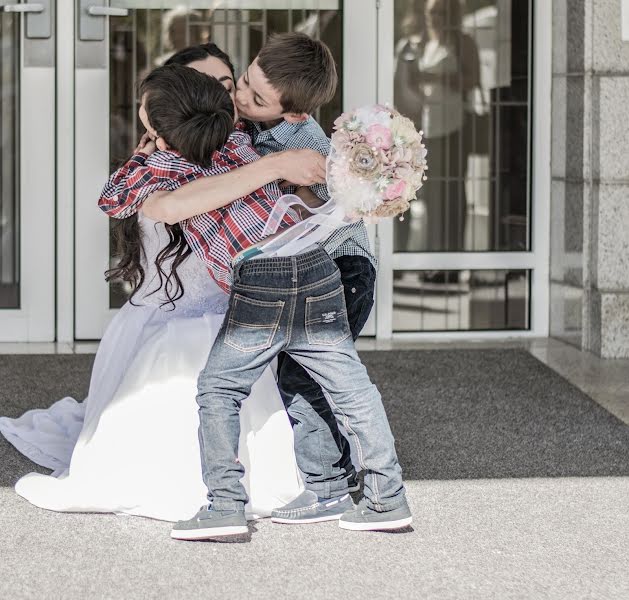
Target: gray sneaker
363,518
309,508
209,523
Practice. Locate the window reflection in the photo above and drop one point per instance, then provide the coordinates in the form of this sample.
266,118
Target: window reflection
461,74
460,300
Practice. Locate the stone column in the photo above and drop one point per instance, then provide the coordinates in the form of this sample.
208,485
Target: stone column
590,169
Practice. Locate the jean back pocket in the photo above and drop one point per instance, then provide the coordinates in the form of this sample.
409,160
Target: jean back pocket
326,319
252,324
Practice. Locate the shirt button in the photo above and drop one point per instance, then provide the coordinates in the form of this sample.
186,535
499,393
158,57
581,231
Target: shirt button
353,290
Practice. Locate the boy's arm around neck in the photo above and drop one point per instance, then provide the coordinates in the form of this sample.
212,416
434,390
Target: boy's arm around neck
209,193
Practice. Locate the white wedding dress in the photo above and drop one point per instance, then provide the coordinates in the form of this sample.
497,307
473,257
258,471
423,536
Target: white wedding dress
132,446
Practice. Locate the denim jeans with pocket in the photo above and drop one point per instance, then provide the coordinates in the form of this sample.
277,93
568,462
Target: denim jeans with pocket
294,304
322,452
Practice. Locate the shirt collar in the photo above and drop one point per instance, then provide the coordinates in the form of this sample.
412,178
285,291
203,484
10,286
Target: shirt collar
281,133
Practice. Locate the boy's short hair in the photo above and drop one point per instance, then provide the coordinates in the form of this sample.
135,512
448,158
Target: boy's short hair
301,69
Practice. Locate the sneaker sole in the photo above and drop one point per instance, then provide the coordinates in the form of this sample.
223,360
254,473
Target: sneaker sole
320,519
381,526
211,532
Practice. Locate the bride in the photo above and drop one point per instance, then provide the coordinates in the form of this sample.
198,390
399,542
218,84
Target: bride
131,446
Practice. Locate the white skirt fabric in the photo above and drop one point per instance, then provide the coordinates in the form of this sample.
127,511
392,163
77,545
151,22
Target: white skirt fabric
132,446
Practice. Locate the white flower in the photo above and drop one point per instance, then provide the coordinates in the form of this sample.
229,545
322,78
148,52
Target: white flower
382,183
416,182
370,115
354,124
398,140
359,198
404,129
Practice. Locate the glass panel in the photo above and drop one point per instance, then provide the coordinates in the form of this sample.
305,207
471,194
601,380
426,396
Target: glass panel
462,74
9,201
147,37
460,300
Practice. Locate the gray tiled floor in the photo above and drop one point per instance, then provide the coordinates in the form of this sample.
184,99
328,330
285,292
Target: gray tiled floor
606,381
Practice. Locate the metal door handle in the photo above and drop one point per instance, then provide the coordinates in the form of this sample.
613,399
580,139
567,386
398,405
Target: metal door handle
107,11
38,17
93,19
23,8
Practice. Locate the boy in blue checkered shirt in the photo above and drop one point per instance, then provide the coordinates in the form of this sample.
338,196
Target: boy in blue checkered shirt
291,77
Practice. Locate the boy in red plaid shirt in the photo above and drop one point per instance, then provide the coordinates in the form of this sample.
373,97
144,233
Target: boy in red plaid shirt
290,304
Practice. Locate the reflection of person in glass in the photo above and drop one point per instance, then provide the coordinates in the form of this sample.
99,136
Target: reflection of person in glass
447,71
181,27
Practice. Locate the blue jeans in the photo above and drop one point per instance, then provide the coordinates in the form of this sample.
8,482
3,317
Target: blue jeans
296,305
322,452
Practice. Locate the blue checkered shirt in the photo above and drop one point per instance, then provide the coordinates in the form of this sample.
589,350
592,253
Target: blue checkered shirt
351,240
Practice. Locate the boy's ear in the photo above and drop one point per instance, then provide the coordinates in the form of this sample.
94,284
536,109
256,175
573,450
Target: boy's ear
296,117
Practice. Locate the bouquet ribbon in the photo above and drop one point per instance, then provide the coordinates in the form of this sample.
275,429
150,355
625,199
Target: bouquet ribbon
318,226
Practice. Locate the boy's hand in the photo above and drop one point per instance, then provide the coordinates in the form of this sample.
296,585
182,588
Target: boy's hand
301,167
146,144
146,137
149,148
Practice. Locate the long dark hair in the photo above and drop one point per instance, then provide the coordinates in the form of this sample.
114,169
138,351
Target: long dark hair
195,131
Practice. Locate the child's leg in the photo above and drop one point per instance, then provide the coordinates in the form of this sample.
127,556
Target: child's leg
357,404
252,334
322,452
321,342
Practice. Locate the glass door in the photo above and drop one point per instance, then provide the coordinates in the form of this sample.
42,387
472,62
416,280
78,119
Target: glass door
471,254
27,180
119,42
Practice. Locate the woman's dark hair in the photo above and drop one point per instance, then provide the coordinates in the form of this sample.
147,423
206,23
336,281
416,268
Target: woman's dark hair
194,53
195,115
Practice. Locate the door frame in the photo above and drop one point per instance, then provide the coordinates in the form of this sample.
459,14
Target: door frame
537,259
65,173
34,321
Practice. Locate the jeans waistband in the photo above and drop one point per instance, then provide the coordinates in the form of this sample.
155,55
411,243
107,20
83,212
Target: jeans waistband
284,264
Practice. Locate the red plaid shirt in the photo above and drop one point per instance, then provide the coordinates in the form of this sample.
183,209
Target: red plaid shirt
215,237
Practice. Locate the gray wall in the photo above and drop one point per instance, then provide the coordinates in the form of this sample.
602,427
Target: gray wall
590,177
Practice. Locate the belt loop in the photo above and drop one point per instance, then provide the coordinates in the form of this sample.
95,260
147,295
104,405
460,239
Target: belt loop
294,265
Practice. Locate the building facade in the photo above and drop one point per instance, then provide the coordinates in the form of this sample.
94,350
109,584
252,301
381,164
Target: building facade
590,171
520,230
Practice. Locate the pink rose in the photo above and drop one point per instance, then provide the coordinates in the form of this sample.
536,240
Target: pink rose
379,136
395,190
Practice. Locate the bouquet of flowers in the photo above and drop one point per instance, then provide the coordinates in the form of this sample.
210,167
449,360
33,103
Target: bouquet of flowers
377,163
